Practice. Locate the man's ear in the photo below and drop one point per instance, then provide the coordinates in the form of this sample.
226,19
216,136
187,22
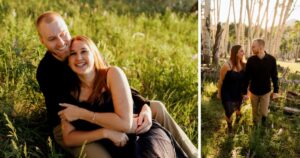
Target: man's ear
41,39
40,36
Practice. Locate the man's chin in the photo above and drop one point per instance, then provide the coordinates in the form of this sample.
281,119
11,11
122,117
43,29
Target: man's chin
60,57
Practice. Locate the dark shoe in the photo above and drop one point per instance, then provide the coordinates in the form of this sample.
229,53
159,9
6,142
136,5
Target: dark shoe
229,127
264,121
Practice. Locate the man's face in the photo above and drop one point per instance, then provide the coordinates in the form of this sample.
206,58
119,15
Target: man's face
255,48
56,37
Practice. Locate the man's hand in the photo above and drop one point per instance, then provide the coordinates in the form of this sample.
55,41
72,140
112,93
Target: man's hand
118,138
245,97
66,126
144,121
275,96
70,113
218,96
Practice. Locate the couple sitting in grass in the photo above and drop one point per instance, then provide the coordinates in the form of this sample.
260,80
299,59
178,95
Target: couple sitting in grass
91,104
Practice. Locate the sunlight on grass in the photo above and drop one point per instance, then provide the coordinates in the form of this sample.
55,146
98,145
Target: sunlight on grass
293,66
279,139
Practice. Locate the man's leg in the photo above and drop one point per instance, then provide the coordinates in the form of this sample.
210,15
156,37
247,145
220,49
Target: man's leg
91,150
255,100
264,106
161,115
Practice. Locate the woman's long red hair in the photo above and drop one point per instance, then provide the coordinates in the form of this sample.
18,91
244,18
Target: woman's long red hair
100,69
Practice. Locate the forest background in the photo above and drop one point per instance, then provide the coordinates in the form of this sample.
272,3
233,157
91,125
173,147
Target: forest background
245,21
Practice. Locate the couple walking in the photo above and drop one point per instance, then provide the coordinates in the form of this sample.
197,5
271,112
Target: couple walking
237,77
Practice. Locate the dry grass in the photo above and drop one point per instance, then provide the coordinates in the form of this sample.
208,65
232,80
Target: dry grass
293,66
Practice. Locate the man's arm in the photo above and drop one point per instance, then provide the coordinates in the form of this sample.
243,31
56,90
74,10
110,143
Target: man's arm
144,122
274,77
51,96
246,79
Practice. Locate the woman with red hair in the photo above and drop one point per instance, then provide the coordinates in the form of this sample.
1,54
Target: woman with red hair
104,111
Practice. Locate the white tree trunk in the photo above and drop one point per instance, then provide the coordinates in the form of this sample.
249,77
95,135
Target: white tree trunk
282,26
226,32
249,28
239,31
206,34
257,25
270,36
266,23
234,19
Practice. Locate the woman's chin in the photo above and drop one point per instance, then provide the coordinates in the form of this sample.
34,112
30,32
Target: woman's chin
80,72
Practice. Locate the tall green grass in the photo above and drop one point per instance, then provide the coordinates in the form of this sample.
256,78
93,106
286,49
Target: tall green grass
279,139
152,42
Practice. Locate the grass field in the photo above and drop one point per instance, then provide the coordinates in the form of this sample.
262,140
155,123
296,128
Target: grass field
293,66
152,41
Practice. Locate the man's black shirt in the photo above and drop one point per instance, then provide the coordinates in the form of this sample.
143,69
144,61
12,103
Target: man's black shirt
259,73
53,77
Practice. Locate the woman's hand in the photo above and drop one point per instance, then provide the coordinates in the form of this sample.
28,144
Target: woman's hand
118,138
71,112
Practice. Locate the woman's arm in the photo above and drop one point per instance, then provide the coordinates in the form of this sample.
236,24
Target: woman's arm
223,72
72,137
121,118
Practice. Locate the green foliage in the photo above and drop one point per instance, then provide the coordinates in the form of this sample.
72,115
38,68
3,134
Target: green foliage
152,42
289,48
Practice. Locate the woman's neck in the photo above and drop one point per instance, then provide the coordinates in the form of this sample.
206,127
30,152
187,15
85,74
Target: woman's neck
87,80
238,65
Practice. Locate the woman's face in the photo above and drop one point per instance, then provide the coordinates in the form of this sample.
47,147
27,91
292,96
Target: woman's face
81,59
240,53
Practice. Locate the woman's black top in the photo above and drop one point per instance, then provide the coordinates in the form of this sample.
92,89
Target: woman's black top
157,142
231,90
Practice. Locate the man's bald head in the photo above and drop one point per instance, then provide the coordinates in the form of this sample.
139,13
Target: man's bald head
46,17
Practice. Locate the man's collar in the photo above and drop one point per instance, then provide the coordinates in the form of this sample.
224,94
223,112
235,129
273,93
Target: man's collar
262,55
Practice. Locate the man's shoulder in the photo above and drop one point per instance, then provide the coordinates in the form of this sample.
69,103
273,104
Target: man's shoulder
46,59
48,65
251,58
44,63
270,56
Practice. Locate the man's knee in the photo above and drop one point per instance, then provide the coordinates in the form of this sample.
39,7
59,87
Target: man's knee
91,150
157,108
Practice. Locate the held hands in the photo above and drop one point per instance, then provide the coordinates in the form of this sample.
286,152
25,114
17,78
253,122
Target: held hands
70,113
118,138
245,97
66,126
218,96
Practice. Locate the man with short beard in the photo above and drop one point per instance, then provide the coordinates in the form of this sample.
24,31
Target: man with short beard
260,70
